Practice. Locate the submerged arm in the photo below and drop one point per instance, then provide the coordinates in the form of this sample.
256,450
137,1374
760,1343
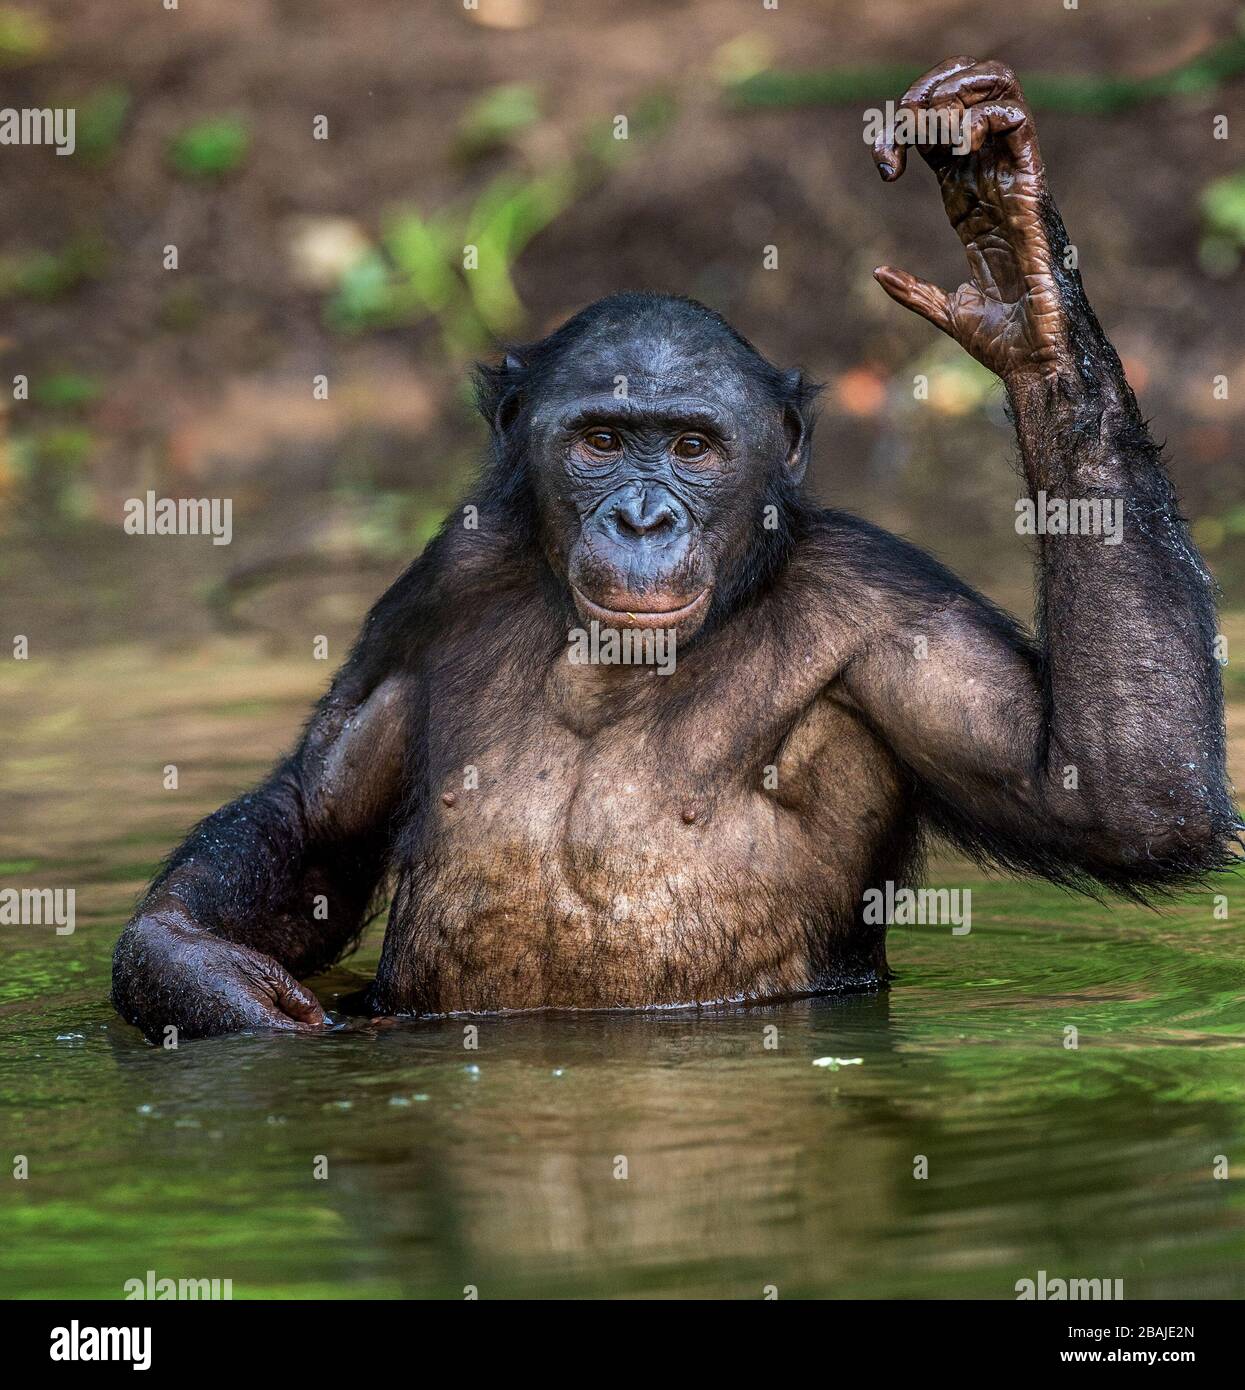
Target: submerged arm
278,883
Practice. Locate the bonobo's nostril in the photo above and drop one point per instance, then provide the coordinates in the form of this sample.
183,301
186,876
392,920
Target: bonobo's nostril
647,512
634,516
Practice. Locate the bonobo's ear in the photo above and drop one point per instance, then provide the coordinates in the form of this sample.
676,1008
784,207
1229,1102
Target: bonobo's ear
798,397
499,391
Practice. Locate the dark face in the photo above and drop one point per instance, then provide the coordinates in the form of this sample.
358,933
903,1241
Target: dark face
650,454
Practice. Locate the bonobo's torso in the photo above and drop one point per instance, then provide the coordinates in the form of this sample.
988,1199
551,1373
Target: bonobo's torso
597,836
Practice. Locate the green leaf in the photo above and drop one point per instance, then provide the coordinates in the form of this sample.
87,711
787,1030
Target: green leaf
211,148
498,116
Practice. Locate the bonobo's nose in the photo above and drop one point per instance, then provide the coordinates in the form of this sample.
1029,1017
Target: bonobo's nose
645,512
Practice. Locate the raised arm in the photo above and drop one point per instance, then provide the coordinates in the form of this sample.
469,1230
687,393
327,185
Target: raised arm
1100,752
278,883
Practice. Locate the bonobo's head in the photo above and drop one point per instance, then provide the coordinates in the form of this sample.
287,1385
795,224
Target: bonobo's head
655,441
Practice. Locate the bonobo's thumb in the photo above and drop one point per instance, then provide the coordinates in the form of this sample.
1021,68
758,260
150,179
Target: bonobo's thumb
919,296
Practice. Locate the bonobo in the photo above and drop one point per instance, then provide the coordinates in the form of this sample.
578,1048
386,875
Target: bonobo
596,834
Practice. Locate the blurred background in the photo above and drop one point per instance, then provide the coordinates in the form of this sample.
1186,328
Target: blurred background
494,126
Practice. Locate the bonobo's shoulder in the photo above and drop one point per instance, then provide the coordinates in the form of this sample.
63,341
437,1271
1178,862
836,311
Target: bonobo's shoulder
846,549
458,576
872,578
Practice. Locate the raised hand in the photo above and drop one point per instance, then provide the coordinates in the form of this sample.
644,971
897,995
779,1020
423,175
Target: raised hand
1010,315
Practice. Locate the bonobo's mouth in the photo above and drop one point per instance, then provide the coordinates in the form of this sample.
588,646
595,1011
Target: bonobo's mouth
641,612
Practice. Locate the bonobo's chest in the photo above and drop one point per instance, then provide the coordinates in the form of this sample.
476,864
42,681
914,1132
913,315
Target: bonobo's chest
593,837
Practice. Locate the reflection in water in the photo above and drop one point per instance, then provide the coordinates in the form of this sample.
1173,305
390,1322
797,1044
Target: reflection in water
746,1165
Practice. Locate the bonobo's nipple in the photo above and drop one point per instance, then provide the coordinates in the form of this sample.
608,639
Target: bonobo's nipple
449,798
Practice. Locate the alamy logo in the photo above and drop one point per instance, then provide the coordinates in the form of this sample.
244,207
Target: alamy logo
181,516
612,646
38,907
162,1290
78,1343
40,126
908,907
908,125
1069,1290
1071,516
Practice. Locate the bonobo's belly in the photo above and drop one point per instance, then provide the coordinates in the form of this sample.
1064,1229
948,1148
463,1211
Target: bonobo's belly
568,878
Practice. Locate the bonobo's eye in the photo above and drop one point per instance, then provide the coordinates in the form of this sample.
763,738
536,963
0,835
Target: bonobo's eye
692,448
601,443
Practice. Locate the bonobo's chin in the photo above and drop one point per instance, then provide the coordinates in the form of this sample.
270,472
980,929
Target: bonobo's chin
618,609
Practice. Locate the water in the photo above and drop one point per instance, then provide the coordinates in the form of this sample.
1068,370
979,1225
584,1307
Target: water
747,1166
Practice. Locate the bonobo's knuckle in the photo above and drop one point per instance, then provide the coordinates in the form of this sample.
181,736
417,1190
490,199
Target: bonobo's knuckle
261,972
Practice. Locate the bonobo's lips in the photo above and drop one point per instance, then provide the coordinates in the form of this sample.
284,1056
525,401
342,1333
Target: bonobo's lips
641,613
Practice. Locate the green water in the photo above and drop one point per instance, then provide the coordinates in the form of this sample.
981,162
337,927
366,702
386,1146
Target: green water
747,1165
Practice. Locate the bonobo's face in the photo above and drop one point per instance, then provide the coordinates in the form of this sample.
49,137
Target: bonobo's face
650,452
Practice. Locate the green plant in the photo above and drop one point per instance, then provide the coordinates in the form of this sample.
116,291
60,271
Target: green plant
100,121
51,274
211,148
1088,95
50,465
1223,217
65,391
496,118
23,36
456,265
